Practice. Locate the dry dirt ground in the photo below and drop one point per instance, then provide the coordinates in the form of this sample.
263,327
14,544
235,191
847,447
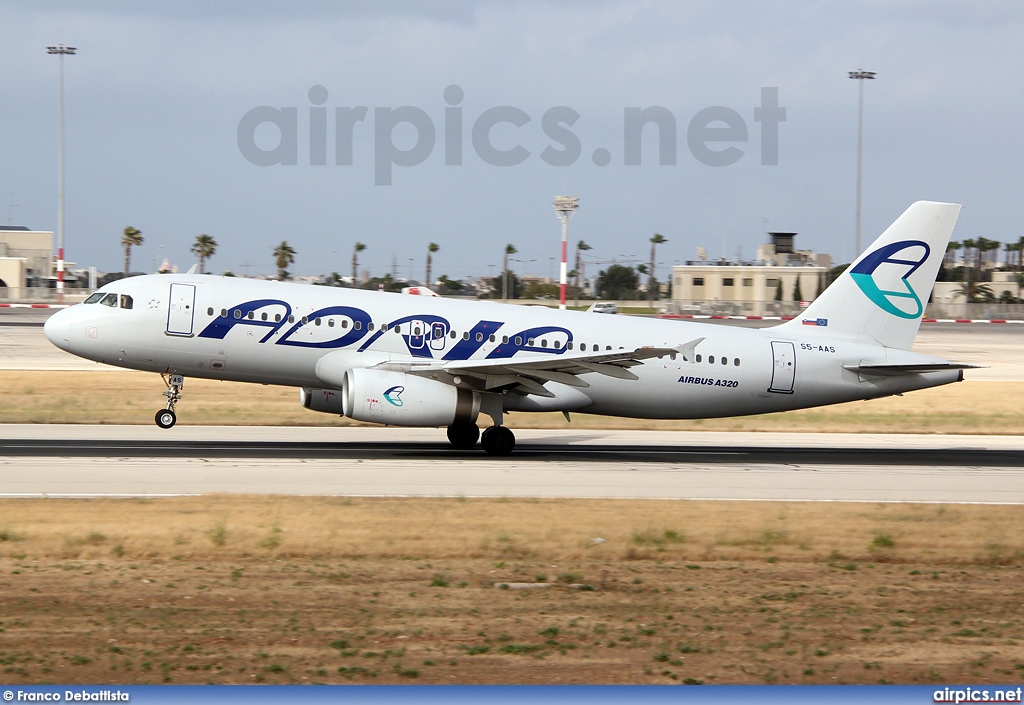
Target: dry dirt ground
123,397
306,589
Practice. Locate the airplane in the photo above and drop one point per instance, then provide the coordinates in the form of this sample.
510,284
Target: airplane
423,361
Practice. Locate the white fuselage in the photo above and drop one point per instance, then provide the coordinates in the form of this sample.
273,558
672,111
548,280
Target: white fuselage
275,333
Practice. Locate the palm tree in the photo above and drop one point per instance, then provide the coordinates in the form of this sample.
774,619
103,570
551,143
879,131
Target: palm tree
976,292
1019,245
578,272
283,256
984,246
970,245
509,250
204,248
359,247
431,248
1013,247
952,247
132,237
656,240
642,269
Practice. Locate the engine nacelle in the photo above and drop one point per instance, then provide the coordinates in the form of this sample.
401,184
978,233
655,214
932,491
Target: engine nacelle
400,399
325,400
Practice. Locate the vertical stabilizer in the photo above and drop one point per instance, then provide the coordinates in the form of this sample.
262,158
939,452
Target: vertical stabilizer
883,294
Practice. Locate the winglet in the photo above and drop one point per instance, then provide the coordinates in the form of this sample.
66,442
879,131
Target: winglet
688,350
192,269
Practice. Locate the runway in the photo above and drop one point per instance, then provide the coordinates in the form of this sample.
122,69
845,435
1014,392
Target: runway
89,461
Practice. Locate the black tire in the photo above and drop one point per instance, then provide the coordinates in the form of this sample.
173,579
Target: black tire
165,418
463,435
498,440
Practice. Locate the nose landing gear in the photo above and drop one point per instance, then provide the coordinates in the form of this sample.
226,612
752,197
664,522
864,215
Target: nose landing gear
165,418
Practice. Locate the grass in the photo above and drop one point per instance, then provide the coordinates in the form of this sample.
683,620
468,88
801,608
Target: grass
340,597
124,397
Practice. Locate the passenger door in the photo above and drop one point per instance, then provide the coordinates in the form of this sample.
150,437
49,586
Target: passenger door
181,309
784,369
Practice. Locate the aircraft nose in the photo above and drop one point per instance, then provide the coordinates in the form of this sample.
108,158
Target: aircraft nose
58,329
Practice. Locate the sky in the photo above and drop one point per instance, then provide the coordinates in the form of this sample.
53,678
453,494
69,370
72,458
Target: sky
157,95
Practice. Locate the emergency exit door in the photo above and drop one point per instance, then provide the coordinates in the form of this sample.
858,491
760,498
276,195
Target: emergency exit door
181,309
784,369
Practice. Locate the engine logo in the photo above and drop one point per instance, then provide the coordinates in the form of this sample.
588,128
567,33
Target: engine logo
394,396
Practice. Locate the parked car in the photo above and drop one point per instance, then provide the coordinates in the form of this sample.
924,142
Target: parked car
603,307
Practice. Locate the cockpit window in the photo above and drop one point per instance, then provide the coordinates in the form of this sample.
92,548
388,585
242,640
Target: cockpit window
110,300
126,301
94,298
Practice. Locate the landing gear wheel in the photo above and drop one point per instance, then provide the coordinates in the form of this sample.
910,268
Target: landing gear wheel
463,435
165,418
498,440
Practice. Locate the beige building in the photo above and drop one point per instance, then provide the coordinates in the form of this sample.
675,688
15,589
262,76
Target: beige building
26,260
752,288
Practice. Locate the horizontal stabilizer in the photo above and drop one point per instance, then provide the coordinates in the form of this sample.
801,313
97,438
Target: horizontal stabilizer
882,370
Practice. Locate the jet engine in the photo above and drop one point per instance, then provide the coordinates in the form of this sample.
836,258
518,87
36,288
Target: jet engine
325,400
400,399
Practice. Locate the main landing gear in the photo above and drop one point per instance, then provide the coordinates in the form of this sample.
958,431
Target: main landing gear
165,418
496,440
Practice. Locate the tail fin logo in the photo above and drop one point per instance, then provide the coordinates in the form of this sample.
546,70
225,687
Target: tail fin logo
394,396
890,267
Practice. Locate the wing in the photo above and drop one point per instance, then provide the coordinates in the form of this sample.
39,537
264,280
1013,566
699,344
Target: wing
528,375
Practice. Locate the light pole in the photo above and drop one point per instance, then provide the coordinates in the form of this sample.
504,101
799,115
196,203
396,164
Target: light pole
564,206
60,50
860,76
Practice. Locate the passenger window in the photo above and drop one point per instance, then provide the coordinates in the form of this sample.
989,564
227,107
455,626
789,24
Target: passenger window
725,361
504,340
238,314
94,298
358,325
569,345
398,330
330,323
209,311
544,343
465,336
479,337
519,340
491,339
344,323
263,316
251,315
277,318
416,330
698,357
711,359
305,320
607,347
531,341
316,321
126,302
369,326
453,334
736,362
109,300
291,319
383,327
223,313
